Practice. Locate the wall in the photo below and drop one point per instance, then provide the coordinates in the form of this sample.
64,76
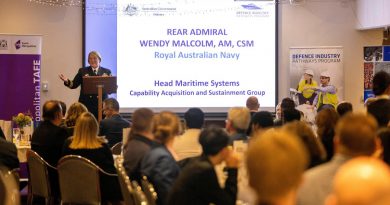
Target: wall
316,23
325,23
373,13
61,28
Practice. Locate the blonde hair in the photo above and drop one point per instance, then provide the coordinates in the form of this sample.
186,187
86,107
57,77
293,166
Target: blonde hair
276,161
240,117
165,126
95,53
85,133
74,112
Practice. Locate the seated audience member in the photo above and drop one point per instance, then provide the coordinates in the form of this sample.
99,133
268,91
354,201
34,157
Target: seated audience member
384,135
237,123
198,184
380,109
63,106
275,163
326,121
314,147
112,126
286,104
48,138
140,142
260,122
344,108
159,165
8,154
380,87
252,103
361,181
291,115
187,144
86,143
74,112
355,136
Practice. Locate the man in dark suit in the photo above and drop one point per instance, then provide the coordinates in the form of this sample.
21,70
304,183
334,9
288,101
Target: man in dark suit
8,154
49,137
90,101
112,126
198,182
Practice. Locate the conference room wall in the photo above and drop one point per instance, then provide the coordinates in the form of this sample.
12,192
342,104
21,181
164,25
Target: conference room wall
316,23
61,30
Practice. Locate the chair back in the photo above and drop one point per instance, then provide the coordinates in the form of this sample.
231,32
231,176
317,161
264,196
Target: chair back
38,174
79,180
9,189
149,190
124,181
117,148
140,198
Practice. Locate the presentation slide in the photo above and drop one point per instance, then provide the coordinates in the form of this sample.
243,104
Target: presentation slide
176,54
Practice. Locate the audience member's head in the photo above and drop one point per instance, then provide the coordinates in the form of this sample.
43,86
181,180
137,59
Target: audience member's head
384,135
74,112
252,103
166,125
290,115
380,109
314,147
261,120
110,107
361,181
213,140
287,104
63,107
238,120
326,121
343,108
380,83
85,133
356,135
52,111
194,118
275,162
142,119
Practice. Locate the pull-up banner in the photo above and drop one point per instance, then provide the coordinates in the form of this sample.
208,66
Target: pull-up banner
20,68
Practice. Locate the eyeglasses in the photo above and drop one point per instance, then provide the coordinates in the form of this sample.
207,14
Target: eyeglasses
323,77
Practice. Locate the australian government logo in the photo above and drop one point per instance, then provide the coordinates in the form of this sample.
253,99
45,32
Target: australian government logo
251,10
24,44
3,44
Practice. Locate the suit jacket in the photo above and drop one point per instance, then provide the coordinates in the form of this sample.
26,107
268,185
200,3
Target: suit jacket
112,128
133,153
8,154
198,184
161,169
48,140
90,101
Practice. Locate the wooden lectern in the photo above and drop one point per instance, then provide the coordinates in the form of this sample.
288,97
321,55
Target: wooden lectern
99,85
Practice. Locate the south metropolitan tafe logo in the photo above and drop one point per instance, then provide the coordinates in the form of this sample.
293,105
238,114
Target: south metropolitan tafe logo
17,44
3,44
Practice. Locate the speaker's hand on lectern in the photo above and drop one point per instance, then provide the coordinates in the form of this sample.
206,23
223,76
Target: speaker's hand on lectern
63,78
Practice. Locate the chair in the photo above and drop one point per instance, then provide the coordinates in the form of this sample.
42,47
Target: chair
79,180
128,192
39,182
140,198
149,190
9,189
117,148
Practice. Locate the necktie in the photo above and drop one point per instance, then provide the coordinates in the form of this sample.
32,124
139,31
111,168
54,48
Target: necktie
95,71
